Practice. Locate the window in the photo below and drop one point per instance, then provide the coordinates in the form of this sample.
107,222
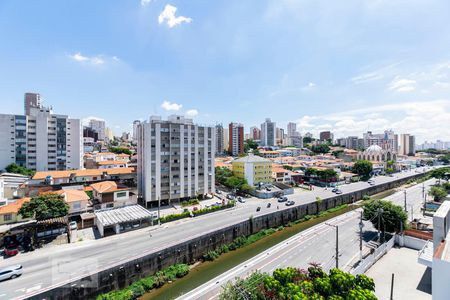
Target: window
109,205
76,205
7,217
121,194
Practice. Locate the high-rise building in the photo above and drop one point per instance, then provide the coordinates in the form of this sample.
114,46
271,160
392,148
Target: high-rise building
219,140
255,133
309,135
98,126
268,133
387,140
291,129
325,136
109,135
407,144
236,139
135,130
41,140
226,139
31,100
175,160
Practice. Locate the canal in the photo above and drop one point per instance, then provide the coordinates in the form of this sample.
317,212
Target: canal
206,271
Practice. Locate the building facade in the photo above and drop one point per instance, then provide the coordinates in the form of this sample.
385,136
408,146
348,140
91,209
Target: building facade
175,160
268,133
31,100
253,168
98,126
387,140
255,133
41,140
407,145
236,139
326,135
135,130
219,140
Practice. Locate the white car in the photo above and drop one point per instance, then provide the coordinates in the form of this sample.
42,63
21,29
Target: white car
73,225
10,272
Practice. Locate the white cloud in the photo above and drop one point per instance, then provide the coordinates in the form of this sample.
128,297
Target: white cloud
191,113
402,85
93,60
427,120
168,16
145,2
169,106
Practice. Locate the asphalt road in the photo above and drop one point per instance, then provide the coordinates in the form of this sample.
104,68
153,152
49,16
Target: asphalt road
316,244
56,265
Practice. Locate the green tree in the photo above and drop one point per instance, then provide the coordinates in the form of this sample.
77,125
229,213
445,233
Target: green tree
322,148
119,150
438,193
250,144
307,140
363,168
440,173
16,169
391,216
44,207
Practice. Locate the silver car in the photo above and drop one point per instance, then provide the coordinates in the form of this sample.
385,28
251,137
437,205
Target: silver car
10,272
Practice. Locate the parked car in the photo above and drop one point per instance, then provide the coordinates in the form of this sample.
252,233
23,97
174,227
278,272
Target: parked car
268,189
338,191
11,250
10,272
334,190
218,192
241,200
73,225
282,199
290,203
230,197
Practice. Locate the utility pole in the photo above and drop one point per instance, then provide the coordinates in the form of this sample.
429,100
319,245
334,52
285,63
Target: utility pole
412,213
392,287
361,225
159,211
380,212
423,190
406,210
337,247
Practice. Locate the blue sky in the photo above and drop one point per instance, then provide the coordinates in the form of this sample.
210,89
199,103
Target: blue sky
348,66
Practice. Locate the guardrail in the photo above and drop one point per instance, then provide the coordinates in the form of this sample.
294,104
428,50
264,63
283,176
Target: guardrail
371,259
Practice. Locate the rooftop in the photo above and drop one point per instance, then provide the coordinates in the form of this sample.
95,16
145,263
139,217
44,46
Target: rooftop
252,159
107,187
122,215
13,207
79,173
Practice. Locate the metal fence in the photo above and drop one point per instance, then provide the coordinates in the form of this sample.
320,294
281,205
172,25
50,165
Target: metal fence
373,257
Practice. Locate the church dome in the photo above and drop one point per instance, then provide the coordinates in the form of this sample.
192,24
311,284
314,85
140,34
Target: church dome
374,150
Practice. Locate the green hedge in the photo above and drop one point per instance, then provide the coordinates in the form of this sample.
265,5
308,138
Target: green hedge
190,202
187,214
146,284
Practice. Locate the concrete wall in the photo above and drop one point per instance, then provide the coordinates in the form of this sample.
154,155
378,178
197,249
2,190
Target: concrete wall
120,276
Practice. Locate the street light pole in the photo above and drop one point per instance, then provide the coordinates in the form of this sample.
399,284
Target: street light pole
361,225
406,210
337,247
159,211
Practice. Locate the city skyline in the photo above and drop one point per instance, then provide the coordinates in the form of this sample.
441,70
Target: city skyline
314,65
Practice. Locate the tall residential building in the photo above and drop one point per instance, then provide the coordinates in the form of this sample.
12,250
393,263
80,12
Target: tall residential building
109,135
268,133
135,130
387,140
175,160
31,100
294,137
255,133
219,140
325,136
226,139
407,144
98,126
236,139
291,129
41,140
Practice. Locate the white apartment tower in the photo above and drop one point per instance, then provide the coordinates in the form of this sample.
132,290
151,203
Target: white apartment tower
407,144
175,160
41,140
268,133
135,130
219,140
98,126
